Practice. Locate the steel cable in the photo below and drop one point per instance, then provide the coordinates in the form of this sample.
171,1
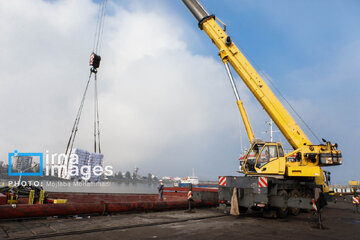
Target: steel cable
261,72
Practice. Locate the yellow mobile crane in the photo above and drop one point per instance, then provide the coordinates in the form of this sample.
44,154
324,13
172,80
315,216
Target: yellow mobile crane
272,178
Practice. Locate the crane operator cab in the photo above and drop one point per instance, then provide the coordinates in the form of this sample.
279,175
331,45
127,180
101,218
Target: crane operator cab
264,158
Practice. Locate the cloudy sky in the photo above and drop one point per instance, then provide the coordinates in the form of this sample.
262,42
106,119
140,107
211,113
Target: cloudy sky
166,105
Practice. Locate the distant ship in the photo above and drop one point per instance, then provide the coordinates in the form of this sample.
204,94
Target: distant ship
186,181
194,181
191,179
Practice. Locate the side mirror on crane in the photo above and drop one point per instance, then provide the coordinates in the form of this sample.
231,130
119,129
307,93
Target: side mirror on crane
328,175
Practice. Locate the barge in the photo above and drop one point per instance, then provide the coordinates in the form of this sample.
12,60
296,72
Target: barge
75,203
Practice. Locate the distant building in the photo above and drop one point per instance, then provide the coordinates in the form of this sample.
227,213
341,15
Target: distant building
22,163
135,173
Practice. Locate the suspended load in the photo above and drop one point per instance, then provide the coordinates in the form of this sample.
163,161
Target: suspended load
82,168
95,160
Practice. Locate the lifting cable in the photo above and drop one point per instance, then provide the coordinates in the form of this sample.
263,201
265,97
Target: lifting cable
96,117
99,27
77,120
278,91
95,64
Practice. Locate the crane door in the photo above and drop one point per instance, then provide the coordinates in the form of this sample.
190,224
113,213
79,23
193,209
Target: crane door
271,159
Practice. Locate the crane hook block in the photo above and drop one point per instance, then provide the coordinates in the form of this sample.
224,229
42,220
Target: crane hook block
95,61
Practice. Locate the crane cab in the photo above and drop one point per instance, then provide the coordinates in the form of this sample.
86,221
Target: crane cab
264,158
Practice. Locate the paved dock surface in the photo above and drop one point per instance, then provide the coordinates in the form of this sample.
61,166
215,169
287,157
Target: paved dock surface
338,219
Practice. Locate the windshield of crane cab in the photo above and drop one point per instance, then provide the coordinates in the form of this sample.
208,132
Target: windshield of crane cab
253,154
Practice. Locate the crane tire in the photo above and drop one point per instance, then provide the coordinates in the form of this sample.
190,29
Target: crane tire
294,211
282,212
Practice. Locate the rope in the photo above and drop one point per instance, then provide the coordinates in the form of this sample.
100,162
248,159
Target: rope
102,26
95,108
96,29
96,118
99,27
76,124
97,46
292,108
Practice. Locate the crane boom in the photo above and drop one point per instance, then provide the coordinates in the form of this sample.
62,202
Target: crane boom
243,114
230,53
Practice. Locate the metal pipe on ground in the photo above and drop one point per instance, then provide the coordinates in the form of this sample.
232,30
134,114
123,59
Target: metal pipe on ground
45,210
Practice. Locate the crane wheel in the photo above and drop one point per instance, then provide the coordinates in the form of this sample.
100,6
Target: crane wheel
294,211
243,209
306,194
282,212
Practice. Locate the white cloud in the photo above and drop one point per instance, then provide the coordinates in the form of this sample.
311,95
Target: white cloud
162,108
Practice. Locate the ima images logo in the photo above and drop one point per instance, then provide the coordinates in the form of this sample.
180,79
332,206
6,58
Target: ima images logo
24,162
60,165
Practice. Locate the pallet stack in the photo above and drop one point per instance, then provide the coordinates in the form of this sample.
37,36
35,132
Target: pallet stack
95,159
